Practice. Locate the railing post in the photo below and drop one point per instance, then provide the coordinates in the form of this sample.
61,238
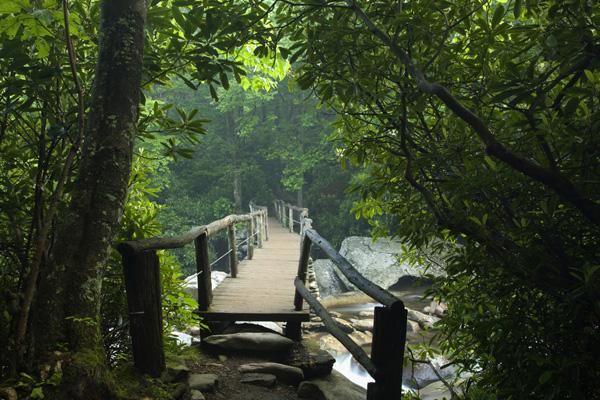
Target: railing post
259,231
233,258
293,329
204,273
250,238
266,223
291,218
387,352
142,283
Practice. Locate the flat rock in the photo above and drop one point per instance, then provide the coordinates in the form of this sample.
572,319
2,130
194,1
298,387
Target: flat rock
203,382
259,379
362,325
333,387
424,320
344,325
362,338
284,373
250,341
366,314
175,373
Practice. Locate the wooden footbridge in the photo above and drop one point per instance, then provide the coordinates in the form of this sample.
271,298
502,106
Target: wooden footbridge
268,285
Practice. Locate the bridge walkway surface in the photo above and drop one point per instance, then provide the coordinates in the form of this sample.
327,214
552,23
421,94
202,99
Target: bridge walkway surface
264,287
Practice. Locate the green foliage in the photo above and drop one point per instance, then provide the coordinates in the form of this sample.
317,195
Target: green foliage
519,250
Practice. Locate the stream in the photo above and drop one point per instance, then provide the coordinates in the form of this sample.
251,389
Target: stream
345,363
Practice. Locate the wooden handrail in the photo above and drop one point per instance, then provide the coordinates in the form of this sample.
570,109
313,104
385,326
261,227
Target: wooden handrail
159,243
142,279
389,324
333,328
371,289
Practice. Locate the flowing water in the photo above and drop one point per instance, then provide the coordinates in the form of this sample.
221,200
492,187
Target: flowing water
413,298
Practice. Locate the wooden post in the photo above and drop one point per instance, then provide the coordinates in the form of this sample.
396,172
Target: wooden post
266,224
203,269
291,219
293,329
387,353
233,258
250,238
142,283
259,232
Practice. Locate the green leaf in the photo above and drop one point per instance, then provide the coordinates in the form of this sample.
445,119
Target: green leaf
498,14
213,92
224,80
517,9
589,75
8,6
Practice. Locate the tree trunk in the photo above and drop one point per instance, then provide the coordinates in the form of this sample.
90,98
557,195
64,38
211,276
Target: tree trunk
300,196
237,191
67,307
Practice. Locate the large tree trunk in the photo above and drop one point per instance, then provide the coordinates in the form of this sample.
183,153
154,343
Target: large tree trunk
67,307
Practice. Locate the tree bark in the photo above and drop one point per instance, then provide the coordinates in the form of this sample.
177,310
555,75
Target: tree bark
237,191
67,307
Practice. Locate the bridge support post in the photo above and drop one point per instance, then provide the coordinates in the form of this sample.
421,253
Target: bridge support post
259,232
387,353
233,258
291,219
250,238
293,330
204,273
142,283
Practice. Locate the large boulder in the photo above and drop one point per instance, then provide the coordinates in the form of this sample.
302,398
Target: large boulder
249,341
328,279
332,387
376,261
190,284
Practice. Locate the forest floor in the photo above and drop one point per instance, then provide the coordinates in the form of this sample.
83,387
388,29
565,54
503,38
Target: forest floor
230,387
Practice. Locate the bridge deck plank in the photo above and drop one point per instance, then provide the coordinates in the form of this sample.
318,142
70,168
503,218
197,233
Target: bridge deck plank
264,287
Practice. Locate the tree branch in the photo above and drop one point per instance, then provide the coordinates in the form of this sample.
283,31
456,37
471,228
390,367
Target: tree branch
552,179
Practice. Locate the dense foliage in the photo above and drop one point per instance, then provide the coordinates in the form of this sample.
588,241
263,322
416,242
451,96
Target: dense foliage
476,124
468,129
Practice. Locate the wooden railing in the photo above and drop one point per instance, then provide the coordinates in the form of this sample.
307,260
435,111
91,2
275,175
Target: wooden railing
286,214
142,279
389,325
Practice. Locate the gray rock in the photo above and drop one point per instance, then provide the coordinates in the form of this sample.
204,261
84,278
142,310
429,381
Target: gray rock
412,326
435,391
362,338
203,382
424,320
328,279
376,261
259,379
333,387
285,373
315,365
175,373
362,325
250,341
196,395
422,374
344,325
366,314
329,343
